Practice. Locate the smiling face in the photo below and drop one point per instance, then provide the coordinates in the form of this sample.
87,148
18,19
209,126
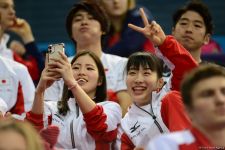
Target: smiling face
85,28
7,12
86,74
140,84
208,103
190,31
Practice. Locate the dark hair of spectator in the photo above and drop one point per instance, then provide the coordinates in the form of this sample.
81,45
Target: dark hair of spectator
93,9
199,7
200,73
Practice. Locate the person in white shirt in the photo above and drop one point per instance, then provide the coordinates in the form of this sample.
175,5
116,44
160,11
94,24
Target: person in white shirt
32,58
86,23
16,86
85,120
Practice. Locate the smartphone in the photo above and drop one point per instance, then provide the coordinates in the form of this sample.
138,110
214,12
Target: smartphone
54,49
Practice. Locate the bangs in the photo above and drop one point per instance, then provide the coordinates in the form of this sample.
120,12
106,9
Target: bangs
145,60
93,9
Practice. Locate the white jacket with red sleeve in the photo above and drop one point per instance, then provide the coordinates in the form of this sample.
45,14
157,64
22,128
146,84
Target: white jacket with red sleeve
95,130
16,86
138,127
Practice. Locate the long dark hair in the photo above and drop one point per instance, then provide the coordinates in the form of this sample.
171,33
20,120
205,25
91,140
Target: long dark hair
100,94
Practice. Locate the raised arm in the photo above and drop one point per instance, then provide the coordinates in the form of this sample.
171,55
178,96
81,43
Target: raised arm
22,28
151,30
46,80
36,115
169,47
63,67
35,61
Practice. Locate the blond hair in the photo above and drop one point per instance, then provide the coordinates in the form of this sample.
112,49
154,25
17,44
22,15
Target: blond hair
31,136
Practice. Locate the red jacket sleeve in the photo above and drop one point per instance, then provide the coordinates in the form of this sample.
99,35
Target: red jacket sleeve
180,57
35,119
173,113
96,125
31,65
126,143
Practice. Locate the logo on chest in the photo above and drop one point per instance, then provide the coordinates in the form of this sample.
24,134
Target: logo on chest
5,81
58,120
136,130
135,127
6,85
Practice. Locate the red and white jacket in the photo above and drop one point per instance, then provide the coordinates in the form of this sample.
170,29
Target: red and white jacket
191,139
95,130
137,126
16,86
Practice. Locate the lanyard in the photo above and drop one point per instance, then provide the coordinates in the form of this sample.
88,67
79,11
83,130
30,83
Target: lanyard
71,127
72,135
153,117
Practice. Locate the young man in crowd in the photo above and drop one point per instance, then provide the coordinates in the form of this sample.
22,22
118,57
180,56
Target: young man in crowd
206,108
86,24
192,27
32,58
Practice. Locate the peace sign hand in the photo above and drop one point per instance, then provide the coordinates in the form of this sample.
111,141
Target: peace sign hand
152,30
